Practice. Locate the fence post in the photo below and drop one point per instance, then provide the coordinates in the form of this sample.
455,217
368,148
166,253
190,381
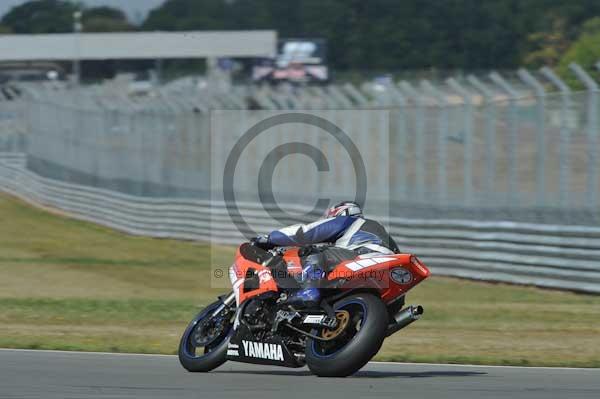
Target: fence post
264,100
266,96
442,139
490,134
398,142
592,132
419,137
288,98
356,95
327,100
237,100
342,99
594,161
513,126
307,100
540,156
468,138
565,136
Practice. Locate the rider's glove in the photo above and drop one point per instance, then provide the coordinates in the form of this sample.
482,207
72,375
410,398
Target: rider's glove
262,241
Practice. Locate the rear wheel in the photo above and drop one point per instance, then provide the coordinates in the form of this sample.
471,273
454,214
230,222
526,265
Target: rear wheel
203,346
362,322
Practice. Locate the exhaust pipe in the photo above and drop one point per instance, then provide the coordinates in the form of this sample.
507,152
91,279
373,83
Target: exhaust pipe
403,318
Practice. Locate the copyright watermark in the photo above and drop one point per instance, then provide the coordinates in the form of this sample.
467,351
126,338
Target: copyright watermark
380,276
271,169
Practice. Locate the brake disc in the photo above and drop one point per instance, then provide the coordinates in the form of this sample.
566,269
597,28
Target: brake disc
343,318
206,332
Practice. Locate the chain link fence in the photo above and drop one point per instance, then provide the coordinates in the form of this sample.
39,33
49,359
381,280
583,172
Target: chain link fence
12,121
522,148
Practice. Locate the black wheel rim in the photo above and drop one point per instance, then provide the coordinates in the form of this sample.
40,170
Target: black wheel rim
208,333
358,314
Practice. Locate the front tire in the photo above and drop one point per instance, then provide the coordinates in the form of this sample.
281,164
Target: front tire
196,358
356,344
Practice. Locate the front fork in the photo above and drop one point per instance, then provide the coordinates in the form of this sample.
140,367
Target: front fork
226,301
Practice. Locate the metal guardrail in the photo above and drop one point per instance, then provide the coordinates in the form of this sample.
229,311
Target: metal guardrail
565,257
15,159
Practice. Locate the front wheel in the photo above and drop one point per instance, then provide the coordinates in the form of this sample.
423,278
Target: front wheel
362,322
203,346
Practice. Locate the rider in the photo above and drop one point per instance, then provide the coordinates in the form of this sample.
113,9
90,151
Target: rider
343,226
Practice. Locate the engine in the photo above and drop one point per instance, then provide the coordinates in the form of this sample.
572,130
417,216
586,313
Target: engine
259,316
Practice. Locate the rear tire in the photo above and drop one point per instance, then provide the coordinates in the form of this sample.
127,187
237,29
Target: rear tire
358,343
212,356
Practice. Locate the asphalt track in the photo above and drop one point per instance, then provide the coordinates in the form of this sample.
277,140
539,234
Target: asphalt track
53,374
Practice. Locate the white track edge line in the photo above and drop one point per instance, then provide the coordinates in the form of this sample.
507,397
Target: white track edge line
373,362
85,352
487,366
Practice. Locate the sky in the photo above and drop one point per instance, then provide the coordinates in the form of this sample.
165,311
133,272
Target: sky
135,9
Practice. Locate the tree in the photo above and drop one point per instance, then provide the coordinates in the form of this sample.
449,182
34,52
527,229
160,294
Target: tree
56,16
188,15
548,46
585,51
41,16
105,19
374,34
4,30
591,26
556,26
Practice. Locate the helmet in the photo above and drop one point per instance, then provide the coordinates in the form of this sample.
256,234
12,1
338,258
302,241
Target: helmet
345,208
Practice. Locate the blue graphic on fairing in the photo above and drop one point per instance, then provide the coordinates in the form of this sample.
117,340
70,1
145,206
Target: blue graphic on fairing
305,295
312,272
323,231
362,237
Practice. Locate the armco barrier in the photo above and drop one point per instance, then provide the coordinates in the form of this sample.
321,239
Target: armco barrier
566,257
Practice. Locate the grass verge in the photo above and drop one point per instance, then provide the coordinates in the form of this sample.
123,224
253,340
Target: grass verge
66,284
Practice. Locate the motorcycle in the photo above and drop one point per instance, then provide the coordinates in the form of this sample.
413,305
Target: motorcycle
334,321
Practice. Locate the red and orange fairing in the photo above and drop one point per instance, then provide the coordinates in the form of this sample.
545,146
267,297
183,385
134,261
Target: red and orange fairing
242,269
374,271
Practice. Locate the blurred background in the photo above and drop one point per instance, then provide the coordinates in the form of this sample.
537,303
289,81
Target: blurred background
487,113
